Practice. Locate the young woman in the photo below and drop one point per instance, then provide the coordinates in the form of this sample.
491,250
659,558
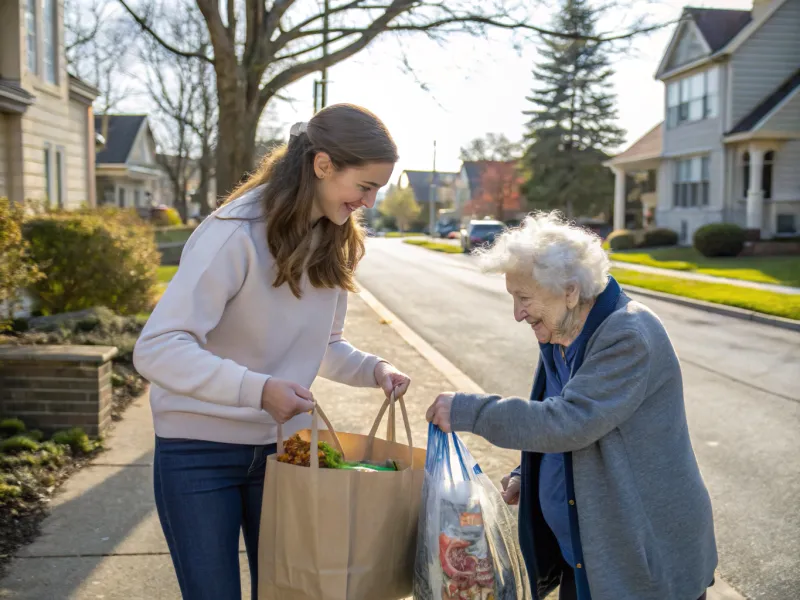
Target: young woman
253,315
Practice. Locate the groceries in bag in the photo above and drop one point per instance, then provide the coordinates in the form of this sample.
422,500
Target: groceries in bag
297,451
467,546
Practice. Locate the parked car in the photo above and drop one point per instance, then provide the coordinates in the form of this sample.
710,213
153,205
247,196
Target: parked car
454,235
370,232
480,233
445,228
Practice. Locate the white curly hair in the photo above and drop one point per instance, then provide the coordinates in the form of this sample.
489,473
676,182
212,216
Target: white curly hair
553,252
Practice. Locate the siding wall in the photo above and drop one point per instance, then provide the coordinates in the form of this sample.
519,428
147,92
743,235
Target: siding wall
787,118
786,179
765,60
76,159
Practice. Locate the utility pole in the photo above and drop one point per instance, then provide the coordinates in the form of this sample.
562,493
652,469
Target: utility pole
321,85
432,196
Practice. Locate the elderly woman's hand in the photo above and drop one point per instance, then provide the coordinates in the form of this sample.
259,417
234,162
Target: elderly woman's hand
439,412
391,380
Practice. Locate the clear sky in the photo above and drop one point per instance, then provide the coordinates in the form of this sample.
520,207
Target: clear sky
477,86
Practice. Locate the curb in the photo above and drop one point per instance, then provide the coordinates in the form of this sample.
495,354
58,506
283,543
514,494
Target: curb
462,382
720,309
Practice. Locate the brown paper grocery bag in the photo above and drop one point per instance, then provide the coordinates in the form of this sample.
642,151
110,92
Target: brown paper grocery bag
333,534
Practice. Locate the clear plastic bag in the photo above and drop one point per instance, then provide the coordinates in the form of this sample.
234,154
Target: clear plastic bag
467,545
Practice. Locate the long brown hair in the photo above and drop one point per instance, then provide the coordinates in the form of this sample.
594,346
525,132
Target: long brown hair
353,137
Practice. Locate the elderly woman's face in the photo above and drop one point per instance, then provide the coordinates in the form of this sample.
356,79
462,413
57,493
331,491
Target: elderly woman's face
542,309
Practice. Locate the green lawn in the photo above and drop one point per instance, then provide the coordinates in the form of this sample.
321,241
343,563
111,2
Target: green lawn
400,234
167,235
166,273
771,303
782,270
437,246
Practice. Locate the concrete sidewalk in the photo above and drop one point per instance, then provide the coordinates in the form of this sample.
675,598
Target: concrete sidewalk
102,539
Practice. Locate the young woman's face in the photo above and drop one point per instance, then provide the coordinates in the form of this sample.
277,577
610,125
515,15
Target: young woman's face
341,193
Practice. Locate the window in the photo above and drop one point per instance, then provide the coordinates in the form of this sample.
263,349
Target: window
691,177
766,174
59,197
786,224
30,36
121,197
50,42
137,197
684,232
48,176
692,98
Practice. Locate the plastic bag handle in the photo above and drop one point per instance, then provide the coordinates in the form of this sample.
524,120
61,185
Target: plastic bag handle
313,456
390,429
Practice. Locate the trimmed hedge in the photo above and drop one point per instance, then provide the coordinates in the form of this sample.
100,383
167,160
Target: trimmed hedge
719,239
17,271
168,217
621,239
102,257
660,236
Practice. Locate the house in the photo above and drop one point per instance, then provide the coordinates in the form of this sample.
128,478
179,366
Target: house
46,126
729,149
490,188
128,174
423,184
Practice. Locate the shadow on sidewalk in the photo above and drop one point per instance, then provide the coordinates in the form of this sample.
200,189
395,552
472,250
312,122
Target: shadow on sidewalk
104,519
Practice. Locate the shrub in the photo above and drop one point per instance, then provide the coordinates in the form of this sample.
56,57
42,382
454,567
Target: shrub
11,427
9,491
76,439
719,239
661,236
17,444
621,239
17,271
167,217
94,257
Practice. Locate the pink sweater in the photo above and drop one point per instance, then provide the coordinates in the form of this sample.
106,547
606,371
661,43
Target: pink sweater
221,330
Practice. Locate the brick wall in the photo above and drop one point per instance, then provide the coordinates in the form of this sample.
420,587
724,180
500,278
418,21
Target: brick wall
57,387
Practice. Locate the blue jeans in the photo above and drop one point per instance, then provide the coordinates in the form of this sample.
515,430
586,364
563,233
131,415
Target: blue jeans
206,492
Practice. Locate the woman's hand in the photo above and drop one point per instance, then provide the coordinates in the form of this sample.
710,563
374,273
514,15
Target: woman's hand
439,412
391,380
511,488
284,399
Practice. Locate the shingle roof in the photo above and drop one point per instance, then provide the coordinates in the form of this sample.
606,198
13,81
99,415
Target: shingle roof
420,182
122,130
719,26
768,105
646,147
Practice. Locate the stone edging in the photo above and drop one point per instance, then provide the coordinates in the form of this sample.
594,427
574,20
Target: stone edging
721,309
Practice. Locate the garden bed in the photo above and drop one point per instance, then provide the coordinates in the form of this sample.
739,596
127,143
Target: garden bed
31,470
436,246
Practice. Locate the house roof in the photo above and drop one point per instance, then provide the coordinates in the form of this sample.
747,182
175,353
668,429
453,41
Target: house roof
769,104
476,168
645,148
122,132
719,26
420,182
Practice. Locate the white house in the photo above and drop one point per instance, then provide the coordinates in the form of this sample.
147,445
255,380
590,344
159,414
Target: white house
729,148
128,174
46,126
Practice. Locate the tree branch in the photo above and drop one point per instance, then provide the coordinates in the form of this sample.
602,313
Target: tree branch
145,26
232,20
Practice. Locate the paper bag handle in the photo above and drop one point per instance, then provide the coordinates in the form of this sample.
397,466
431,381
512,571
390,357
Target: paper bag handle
313,456
390,426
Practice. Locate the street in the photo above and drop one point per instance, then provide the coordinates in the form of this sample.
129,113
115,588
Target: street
740,380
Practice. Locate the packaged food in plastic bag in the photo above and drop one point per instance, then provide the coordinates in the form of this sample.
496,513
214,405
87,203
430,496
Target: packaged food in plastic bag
467,546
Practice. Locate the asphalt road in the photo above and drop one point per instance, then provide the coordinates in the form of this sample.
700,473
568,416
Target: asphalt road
742,384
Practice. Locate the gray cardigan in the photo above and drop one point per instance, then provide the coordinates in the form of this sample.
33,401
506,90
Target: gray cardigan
644,514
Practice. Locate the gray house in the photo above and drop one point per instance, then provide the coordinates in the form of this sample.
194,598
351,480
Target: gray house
729,148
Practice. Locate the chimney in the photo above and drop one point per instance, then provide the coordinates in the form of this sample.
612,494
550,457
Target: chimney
760,7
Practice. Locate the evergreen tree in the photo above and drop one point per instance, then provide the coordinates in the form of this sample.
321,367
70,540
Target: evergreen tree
572,120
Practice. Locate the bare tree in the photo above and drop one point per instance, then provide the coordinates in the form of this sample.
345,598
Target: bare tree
261,46
181,89
98,47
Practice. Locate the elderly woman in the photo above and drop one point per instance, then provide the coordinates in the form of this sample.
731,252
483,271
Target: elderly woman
612,504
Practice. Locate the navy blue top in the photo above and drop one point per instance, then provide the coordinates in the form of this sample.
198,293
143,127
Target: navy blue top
552,479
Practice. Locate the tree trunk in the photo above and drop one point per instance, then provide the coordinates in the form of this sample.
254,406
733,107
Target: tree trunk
236,137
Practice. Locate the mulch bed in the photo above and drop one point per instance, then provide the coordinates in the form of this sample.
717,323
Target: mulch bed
21,516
